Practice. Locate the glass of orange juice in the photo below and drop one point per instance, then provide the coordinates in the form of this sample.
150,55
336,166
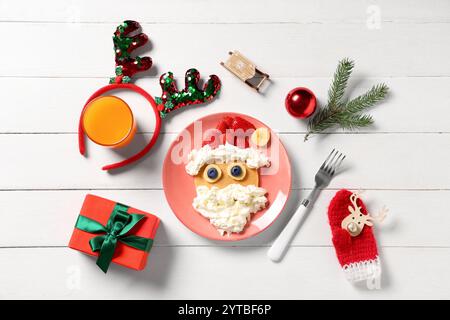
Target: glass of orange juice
109,122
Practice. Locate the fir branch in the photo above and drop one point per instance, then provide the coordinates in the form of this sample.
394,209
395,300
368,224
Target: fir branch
347,115
340,79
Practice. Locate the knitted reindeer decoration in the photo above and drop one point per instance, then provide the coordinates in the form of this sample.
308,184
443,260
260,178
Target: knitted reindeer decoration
356,220
127,38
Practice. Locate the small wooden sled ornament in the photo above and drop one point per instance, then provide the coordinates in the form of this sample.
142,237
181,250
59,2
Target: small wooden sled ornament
245,70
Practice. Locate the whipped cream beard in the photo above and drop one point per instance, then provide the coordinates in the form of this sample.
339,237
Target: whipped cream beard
227,189
230,208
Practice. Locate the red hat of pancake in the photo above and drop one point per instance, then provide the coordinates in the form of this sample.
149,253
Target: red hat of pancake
232,130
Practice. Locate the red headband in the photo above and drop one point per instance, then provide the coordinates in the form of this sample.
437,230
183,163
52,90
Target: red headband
171,98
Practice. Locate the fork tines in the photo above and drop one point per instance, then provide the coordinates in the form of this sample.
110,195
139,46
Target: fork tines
332,163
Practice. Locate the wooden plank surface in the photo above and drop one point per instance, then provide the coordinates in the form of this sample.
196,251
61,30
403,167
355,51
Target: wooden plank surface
63,99
376,161
393,50
56,53
411,221
231,11
188,273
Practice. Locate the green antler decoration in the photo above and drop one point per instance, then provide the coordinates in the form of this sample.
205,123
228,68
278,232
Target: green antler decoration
124,45
346,114
173,99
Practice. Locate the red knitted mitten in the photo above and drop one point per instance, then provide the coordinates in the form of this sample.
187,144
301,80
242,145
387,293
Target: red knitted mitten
353,239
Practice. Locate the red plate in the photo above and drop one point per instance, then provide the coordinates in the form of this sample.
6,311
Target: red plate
179,187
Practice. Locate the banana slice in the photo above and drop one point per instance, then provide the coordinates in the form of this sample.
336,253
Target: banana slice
261,137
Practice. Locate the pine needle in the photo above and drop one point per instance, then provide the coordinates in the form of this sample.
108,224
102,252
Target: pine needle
340,79
346,115
355,121
367,100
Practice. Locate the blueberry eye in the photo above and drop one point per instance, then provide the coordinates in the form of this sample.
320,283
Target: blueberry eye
236,171
212,173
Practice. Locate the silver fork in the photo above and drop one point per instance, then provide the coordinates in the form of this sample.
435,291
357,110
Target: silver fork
322,178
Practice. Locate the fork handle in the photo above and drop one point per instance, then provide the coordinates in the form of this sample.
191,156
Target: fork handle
278,248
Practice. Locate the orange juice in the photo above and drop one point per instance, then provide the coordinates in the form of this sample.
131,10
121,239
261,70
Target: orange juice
109,121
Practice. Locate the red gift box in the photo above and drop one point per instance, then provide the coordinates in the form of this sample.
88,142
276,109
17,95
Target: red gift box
99,210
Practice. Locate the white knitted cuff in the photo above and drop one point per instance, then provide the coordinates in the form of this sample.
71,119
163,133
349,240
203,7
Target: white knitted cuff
363,270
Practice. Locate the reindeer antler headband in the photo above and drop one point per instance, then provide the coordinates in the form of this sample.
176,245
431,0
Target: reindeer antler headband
171,99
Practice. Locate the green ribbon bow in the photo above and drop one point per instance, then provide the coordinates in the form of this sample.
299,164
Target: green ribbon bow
120,223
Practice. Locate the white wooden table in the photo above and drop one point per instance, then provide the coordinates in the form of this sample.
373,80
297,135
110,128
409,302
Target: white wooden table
54,54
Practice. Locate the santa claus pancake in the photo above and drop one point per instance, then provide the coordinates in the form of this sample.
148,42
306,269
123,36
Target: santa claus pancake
226,178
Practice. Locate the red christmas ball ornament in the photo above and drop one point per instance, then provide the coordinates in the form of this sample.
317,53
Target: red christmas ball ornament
300,102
